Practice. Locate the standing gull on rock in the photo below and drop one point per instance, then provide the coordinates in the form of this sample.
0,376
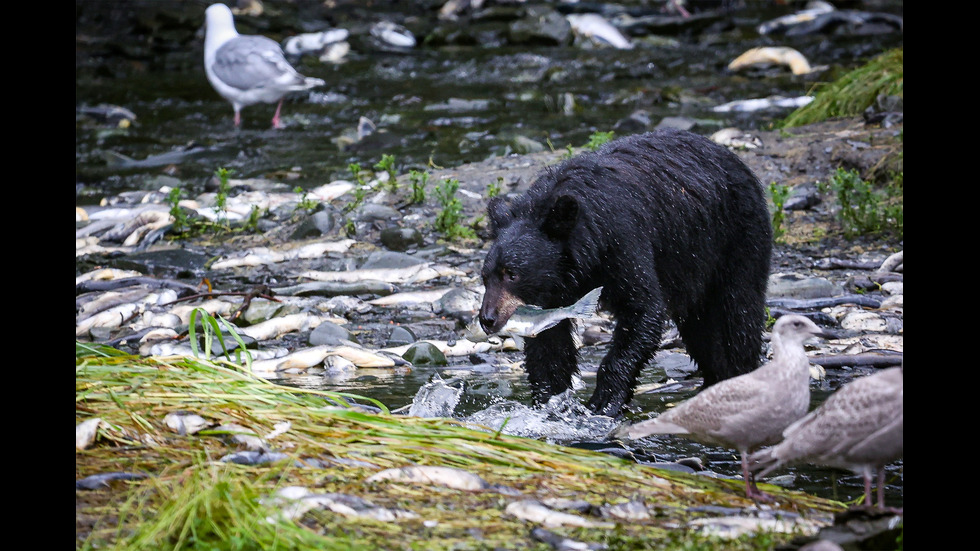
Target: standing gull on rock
859,427
247,69
749,410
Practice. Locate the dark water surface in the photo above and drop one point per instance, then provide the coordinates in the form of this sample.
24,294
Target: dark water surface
447,104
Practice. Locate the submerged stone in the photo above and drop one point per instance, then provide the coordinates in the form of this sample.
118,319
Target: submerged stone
424,353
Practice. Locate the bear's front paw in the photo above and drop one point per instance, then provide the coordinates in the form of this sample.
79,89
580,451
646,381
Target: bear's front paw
609,406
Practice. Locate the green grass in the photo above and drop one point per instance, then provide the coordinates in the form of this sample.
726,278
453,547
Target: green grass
193,500
867,209
851,94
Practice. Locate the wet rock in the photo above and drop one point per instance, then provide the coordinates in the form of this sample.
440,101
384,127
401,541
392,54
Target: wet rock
638,121
372,212
261,310
794,285
676,366
170,263
631,510
400,336
802,197
329,333
424,353
523,145
401,239
541,25
390,259
459,301
322,222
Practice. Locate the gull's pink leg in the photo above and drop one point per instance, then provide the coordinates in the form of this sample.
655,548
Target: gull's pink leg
867,489
751,491
275,118
238,118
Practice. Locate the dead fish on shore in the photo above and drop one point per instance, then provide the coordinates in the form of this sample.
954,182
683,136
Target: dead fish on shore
315,355
185,423
459,347
275,327
761,104
429,474
780,24
530,321
316,43
535,511
409,274
259,256
86,431
772,55
392,35
411,298
118,160
595,28
337,289
296,501
97,481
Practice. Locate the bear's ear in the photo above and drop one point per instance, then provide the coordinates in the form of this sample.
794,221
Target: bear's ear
562,217
499,214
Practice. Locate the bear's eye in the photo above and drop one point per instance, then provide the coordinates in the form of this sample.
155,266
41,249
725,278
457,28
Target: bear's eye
508,275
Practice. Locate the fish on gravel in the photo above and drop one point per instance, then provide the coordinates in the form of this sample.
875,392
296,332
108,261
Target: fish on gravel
534,511
409,274
295,501
102,480
184,423
429,474
108,319
411,298
772,55
278,326
315,355
259,256
86,431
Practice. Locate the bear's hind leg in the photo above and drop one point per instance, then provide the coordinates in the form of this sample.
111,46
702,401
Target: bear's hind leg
550,360
725,337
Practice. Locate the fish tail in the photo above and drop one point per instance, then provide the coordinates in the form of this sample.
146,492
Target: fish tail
588,305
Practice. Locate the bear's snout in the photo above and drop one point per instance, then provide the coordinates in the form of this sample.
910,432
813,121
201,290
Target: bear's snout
487,321
498,306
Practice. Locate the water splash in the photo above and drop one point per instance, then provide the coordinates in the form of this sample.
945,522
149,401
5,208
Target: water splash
437,398
562,420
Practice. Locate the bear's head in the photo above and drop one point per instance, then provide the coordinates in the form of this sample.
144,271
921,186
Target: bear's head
526,263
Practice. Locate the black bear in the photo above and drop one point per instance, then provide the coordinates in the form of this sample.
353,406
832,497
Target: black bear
669,223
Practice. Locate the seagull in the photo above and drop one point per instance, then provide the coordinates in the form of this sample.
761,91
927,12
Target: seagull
248,69
859,427
750,410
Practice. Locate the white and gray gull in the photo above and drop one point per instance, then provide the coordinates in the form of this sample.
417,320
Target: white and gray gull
248,69
750,410
859,427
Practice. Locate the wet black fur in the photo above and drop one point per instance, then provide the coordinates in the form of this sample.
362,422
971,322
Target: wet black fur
670,224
